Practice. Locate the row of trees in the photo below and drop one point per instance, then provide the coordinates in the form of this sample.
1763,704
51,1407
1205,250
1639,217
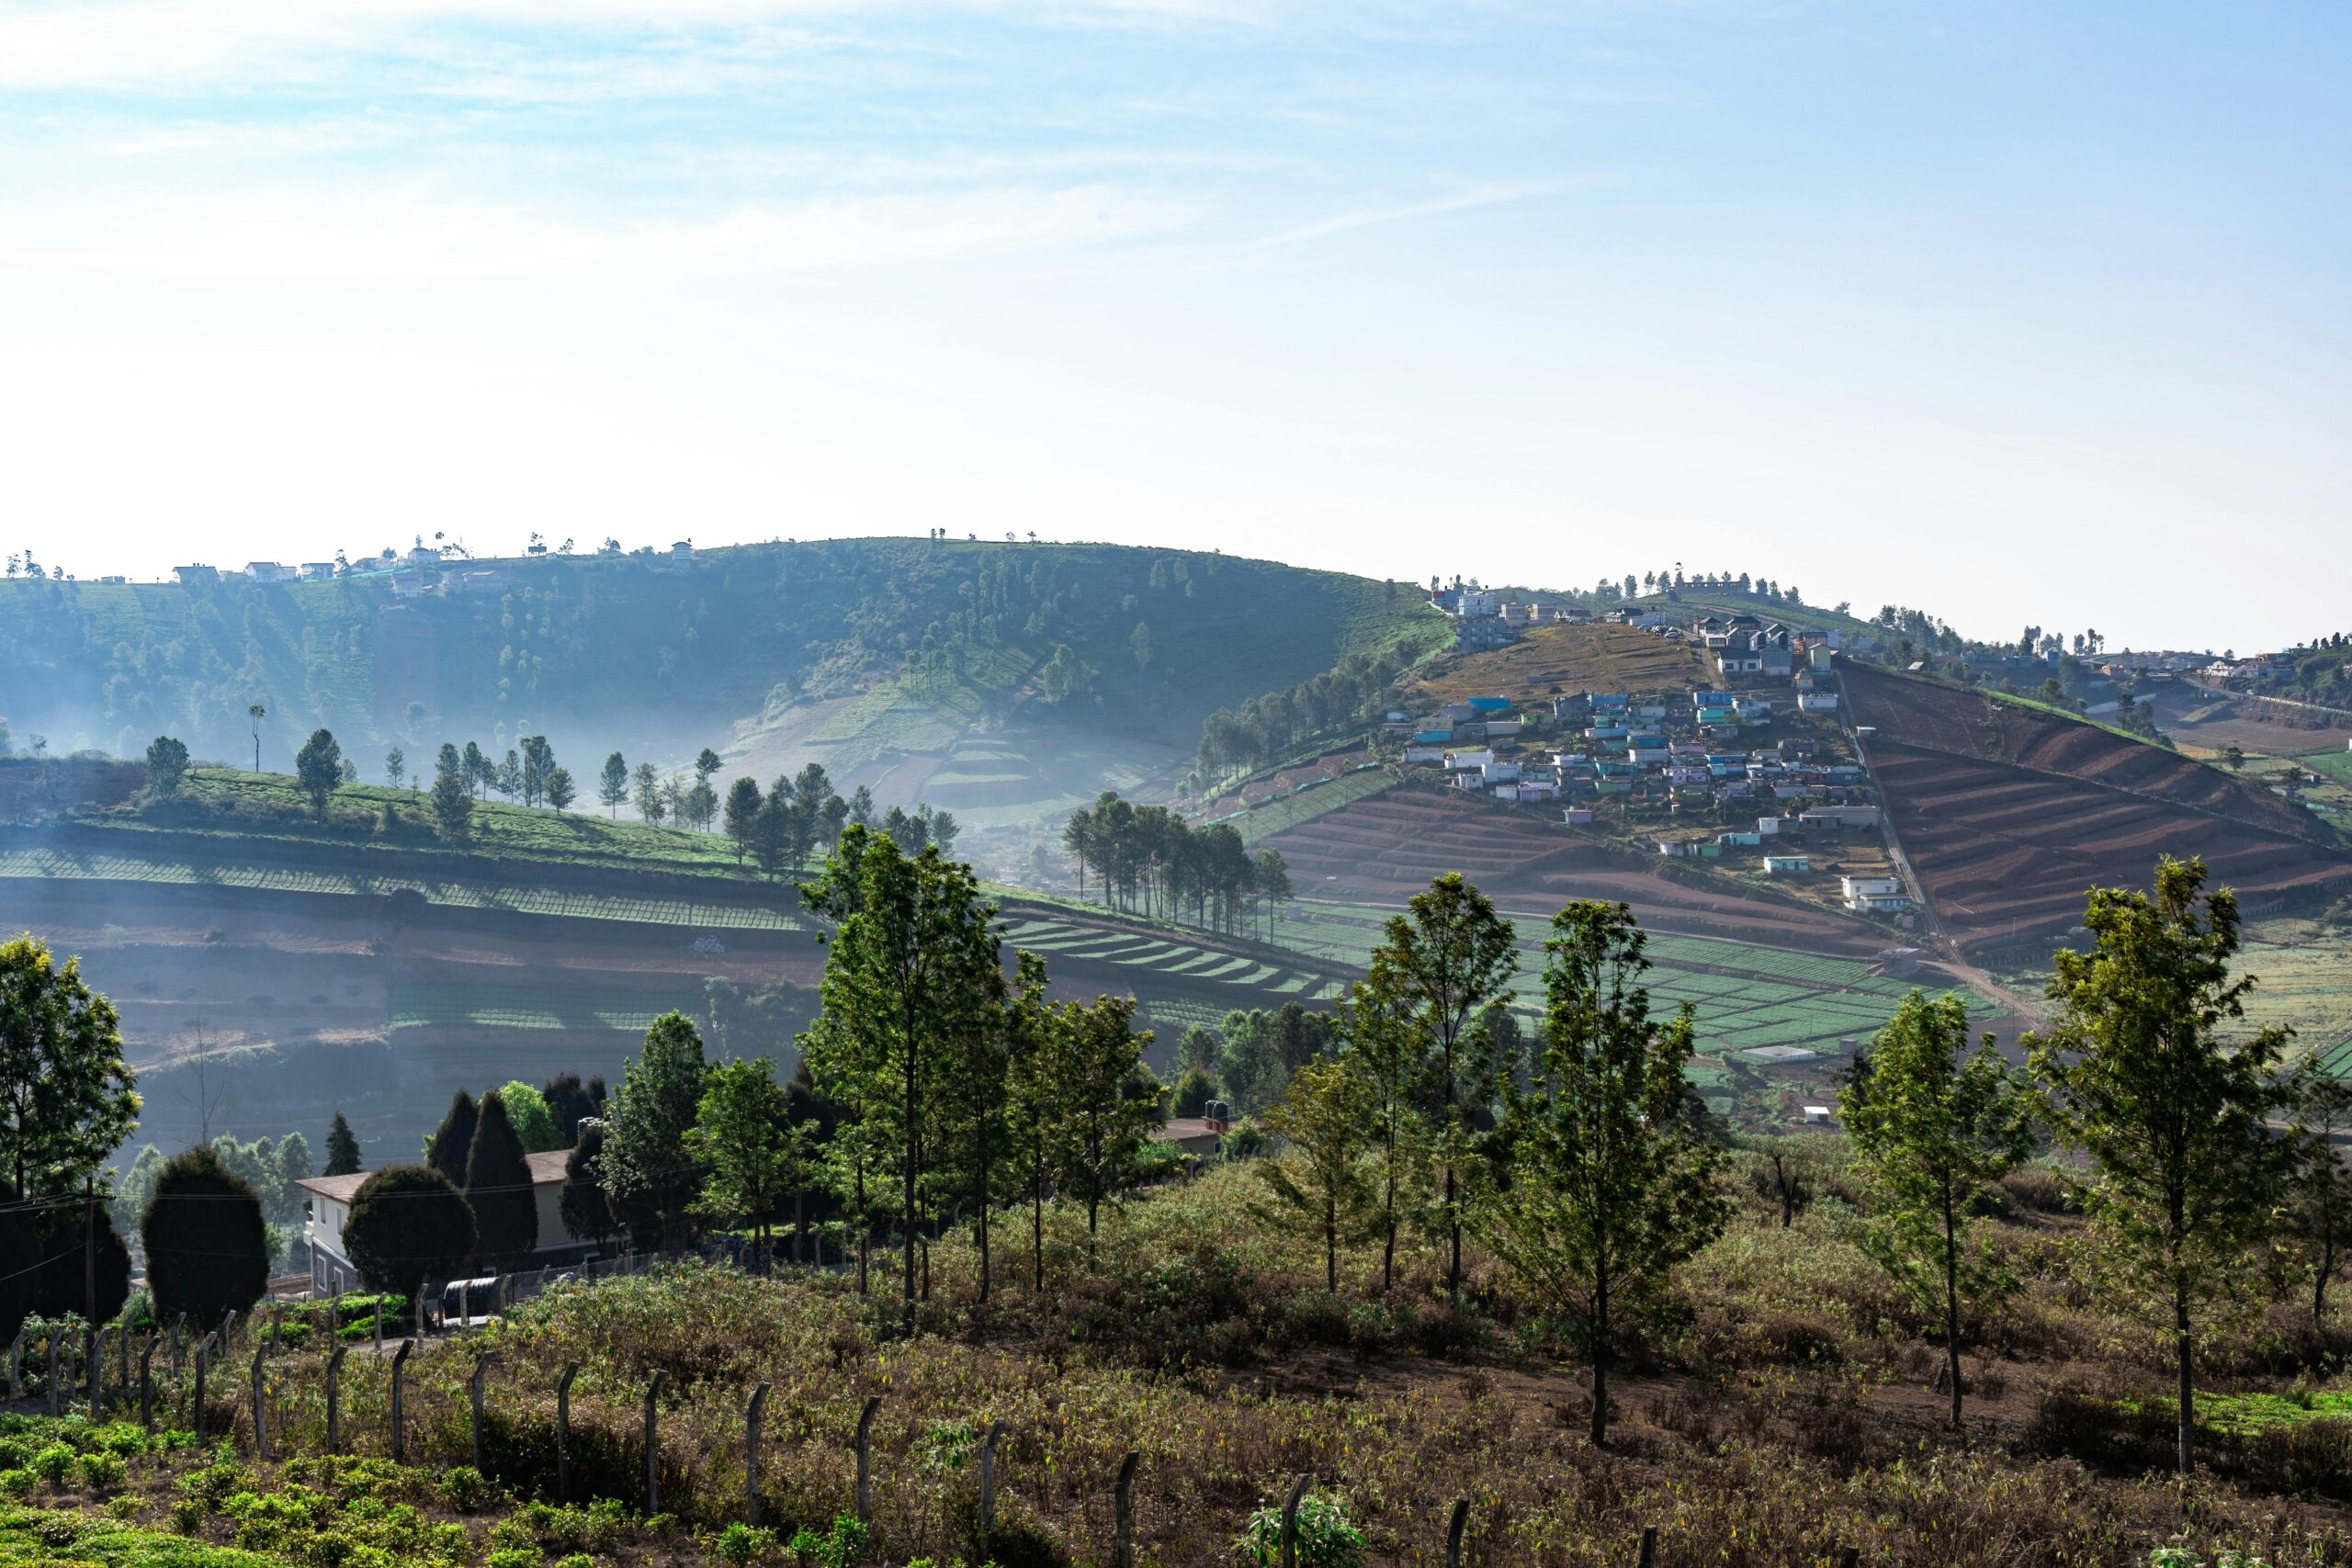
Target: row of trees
1147,857
1346,697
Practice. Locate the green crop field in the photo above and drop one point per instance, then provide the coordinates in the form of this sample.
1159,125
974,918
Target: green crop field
1743,996
566,1006
1261,822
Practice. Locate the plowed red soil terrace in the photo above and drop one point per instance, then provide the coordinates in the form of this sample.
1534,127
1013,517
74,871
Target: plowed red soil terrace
2010,816
1387,846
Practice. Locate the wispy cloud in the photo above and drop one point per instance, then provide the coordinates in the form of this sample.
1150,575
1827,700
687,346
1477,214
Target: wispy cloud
387,233
1461,201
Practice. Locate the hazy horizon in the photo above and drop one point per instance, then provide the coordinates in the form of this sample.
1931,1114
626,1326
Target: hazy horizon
2012,314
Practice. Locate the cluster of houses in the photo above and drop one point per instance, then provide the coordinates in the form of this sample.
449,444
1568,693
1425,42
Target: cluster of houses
1483,620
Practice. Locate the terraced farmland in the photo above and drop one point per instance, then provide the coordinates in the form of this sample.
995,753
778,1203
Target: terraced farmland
1387,846
2010,817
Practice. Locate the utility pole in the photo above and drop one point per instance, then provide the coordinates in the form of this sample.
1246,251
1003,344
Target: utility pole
89,1271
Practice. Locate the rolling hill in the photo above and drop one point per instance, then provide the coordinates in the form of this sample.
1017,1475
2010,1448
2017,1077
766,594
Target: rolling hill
1001,680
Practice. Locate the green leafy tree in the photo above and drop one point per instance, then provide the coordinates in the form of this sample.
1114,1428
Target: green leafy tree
318,768
408,1223
741,817
343,1148
2137,1073
648,1170
912,946
1033,1096
1384,1048
534,1120
1933,1127
586,1212
208,1247
452,1143
453,808
498,1186
167,764
85,1271
395,767
1609,1187
753,1156
66,1099
1322,1183
1110,1102
1437,967
568,1102
2319,1193
612,785
645,794
558,789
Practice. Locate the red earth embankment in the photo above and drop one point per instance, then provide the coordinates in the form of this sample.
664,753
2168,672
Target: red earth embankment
2010,816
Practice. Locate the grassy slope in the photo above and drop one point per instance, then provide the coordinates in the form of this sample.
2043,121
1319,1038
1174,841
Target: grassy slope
1780,1409
1569,658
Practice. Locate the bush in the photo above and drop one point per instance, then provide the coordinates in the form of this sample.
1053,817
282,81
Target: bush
1326,1537
463,1488
207,1247
408,1223
740,1543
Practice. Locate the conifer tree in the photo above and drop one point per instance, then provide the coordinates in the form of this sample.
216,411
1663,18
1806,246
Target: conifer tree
343,1148
452,1143
498,1187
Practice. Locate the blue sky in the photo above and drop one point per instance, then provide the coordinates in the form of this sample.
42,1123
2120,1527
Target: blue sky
2012,311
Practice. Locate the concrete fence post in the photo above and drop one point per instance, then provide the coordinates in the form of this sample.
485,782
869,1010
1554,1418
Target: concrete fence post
203,1354
122,1361
1122,1513
334,1398
865,1459
653,1444
228,1328
473,1399
987,1482
261,1400
147,1382
1290,1522
1649,1546
752,1412
334,1316
1454,1529
564,1432
400,1427
97,1372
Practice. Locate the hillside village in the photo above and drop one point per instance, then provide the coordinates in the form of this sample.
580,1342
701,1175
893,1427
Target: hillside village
1755,768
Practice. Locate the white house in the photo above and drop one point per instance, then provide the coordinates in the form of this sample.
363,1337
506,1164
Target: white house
1881,893
1787,865
1816,702
331,1196
268,571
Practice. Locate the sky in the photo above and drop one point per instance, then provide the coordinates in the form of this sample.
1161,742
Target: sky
2011,312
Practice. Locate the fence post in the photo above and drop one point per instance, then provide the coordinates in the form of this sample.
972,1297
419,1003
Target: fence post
334,1397
16,1364
653,1446
1290,1522
276,1324
97,1369
399,1429
334,1317
261,1411
987,1482
147,1382
1454,1529
203,1354
122,1359
49,1393
865,1459
228,1328
564,1432
1649,1546
752,1414
1123,1514
473,1398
